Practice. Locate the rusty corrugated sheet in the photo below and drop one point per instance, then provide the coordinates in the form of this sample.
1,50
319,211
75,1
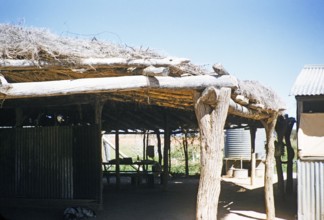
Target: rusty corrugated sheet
44,162
50,162
310,190
310,81
87,163
7,165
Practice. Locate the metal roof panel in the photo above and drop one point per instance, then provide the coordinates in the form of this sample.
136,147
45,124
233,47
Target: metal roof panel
310,81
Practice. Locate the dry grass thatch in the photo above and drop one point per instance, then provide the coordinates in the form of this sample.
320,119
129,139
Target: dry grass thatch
61,56
260,94
45,48
18,42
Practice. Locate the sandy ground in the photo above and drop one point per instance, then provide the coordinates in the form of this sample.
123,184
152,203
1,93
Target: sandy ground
238,200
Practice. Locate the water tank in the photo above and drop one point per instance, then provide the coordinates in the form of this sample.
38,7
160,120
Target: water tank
260,141
237,143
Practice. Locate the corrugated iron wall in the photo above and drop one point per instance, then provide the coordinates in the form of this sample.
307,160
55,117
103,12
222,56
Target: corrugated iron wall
44,162
50,162
87,163
310,190
7,163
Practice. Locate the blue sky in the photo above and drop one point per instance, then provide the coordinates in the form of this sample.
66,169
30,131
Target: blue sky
268,41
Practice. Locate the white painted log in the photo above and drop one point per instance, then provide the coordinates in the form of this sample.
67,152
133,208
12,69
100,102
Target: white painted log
110,84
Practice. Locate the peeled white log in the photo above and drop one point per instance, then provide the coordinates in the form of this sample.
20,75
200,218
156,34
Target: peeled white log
242,100
256,106
156,71
20,63
219,69
168,61
111,84
242,111
209,96
3,81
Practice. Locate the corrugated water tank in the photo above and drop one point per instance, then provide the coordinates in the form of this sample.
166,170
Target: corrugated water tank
238,143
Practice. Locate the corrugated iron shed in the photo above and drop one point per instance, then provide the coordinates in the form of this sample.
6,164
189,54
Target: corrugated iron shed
310,81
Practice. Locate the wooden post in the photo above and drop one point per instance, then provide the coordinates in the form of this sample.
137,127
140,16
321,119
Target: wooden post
117,159
185,151
158,137
169,152
290,155
280,129
144,144
166,153
253,162
269,126
211,108
97,119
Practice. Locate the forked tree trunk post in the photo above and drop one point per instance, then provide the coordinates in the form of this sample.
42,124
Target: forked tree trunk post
211,108
269,126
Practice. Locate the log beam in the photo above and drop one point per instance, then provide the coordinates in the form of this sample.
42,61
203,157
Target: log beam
242,111
112,84
211,121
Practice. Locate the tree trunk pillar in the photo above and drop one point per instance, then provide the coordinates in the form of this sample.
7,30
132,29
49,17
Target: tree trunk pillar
211,108
269,126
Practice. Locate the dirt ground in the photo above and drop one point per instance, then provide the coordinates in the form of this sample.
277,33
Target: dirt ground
237,201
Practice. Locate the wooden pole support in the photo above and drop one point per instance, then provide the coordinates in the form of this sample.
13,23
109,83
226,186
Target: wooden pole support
253,159
211,121
269,126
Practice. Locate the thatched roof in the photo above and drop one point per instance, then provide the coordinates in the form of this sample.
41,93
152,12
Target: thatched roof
37,55
71,58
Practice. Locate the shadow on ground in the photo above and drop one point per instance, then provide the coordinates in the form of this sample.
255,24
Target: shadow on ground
249,204
142,203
